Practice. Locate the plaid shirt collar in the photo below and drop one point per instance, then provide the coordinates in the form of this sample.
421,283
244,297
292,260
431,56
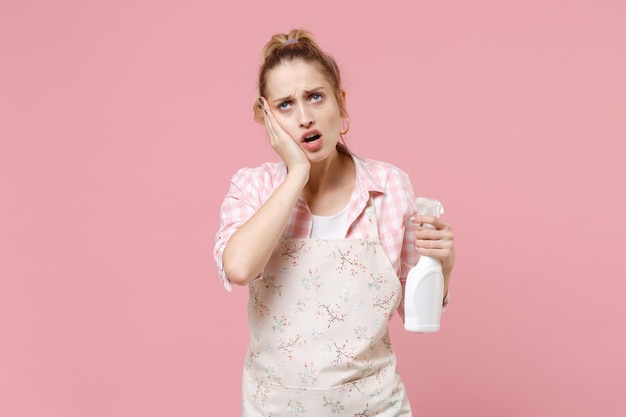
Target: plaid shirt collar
366,183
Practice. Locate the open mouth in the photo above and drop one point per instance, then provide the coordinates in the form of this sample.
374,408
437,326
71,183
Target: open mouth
312,138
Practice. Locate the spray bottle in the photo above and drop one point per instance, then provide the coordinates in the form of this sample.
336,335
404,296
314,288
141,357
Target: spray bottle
423,294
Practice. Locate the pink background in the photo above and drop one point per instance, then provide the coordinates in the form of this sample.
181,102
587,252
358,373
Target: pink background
121,123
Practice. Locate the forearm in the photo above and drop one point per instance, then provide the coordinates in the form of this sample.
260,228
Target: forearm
251,246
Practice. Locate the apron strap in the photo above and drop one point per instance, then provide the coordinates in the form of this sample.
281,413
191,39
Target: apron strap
372,225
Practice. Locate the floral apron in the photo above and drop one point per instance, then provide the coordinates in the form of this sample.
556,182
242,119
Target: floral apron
319,340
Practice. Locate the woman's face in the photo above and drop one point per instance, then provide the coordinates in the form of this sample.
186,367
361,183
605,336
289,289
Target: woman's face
304,104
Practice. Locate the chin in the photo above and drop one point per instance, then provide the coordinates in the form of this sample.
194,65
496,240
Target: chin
322,155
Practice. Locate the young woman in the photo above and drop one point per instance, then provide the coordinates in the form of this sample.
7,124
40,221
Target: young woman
324,240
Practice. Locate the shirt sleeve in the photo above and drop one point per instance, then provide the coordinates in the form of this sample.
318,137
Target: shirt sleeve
238,206
409,255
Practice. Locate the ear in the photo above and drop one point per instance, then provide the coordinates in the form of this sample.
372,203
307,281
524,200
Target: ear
258,113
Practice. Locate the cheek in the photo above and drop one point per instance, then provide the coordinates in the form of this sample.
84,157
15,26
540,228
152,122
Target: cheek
334,123
333,118
283,121
287,124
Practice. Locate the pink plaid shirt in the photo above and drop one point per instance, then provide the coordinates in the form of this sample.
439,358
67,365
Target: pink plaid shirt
390,188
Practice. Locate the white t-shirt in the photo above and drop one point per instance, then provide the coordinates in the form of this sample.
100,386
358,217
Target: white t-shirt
330,227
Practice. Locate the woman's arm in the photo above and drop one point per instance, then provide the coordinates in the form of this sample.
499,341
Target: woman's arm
250,247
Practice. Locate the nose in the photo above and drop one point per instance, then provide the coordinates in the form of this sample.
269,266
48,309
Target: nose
306,118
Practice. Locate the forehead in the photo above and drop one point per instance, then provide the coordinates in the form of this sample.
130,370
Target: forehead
292,77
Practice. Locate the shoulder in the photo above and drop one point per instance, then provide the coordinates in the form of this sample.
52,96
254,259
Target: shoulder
382,174
263,175
384,168
392,191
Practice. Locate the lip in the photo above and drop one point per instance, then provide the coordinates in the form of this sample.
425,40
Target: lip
309,133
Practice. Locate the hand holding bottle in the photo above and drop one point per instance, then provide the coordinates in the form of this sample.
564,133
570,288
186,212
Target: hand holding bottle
425,283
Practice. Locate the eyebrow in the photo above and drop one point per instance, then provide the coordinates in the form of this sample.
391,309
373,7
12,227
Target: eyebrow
304,93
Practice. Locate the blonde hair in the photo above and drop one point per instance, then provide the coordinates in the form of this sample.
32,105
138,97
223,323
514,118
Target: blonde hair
297,44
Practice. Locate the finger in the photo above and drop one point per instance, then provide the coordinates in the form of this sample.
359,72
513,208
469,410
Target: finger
434,244
426,233
269,126
267,118
273,127
426,244
434,221
441,254
434,234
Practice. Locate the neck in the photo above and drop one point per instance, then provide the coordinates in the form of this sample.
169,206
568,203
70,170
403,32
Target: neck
328,174
330,185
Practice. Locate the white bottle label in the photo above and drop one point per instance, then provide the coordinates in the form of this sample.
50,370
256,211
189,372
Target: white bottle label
423,298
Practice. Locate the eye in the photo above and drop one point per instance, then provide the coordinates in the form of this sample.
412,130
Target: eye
315,97
284,105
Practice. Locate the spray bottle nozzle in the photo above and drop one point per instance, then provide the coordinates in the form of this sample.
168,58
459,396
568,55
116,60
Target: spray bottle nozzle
428,207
